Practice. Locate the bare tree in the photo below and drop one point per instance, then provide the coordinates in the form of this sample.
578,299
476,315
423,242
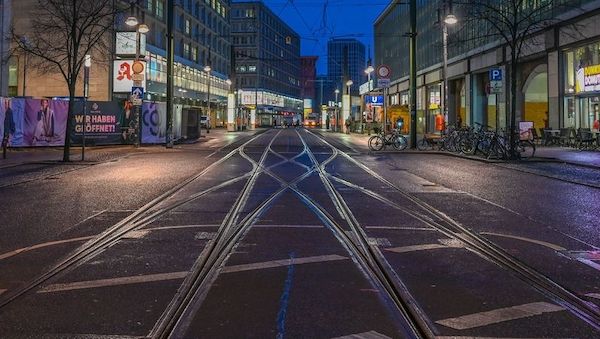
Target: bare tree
58,37
512,23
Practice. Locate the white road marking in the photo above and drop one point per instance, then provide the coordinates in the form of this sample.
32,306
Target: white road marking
593,295
401,228
414,248
444,243
160,228
137,234
365,335
46,244
499,315
466,337
384,242
282,262
533,241
288,226
137,279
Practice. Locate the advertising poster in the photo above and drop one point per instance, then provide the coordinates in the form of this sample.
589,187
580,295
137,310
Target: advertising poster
37,122
525,130
154,123
104,123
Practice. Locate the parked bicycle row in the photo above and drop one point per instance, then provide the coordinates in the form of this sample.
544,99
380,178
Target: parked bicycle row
478,140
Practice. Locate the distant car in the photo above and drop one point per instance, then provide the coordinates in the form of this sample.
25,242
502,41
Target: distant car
311,122
205,122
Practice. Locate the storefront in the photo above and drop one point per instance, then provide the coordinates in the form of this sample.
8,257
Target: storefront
581,102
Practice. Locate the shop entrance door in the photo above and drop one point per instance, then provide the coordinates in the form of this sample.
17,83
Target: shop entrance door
589,111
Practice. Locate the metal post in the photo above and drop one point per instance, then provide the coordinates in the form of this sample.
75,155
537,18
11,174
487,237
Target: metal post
445,70
208,102
170,71
138,109
336,111
413,73
86,93
384,123
24,73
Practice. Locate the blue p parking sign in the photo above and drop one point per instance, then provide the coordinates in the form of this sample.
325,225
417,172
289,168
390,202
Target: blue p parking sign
495,74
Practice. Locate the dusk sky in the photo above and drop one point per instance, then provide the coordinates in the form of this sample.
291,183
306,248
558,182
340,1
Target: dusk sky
344,18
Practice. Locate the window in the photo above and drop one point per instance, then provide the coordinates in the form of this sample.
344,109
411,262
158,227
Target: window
188,27
160,6
194,56
186,50
252,68
150,5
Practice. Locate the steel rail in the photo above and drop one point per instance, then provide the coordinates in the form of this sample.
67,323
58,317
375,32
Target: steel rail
553,290
369,259
114,233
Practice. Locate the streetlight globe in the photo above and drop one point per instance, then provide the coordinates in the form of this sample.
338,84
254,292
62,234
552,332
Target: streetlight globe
349,83
337,91
143,28
369,69
207,68
228,82
87,61
450,19
131,21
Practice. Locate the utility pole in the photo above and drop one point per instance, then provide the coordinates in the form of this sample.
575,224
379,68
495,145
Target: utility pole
170,71
413,74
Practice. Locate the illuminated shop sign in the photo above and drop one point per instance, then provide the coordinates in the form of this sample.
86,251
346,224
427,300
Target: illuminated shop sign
588,79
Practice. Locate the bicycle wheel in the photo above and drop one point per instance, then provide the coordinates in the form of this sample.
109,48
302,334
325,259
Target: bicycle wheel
526,149
376,143
467,146
424,145
400,143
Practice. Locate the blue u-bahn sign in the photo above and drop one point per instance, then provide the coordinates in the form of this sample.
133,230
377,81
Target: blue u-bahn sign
374,100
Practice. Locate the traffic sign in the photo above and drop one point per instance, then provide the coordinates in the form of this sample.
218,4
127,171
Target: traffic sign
495,87
137,95
495,74
137,67
383,83
384,71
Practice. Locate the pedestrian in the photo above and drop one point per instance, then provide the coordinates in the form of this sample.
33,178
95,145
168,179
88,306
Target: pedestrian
347,123
9,127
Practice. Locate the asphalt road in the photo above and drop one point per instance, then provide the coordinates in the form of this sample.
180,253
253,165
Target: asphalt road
297,233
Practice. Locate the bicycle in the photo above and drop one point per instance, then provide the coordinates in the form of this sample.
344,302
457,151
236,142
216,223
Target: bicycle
380,141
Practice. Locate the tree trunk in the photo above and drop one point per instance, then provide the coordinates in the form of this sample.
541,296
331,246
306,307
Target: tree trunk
67,147
513,102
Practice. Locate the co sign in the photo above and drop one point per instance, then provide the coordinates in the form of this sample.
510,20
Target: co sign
495,74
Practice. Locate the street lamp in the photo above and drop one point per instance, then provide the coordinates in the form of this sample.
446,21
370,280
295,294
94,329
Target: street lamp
226,115
138,70
87,63
348,84
450,19
208,69
337,92
368,71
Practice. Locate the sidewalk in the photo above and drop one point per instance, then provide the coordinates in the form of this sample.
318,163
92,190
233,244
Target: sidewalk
566,155
31,155
20,156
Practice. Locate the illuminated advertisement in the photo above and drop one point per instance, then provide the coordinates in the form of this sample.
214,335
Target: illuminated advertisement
588,79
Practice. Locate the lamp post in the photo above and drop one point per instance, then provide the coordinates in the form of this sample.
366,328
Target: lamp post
337,91
138,70
413,73
450,19
227,115
86,92
208,69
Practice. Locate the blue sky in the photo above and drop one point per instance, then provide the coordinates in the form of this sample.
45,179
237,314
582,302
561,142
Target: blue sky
344,18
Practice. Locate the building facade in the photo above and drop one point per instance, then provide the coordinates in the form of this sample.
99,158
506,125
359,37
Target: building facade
555,69
346,61
201,27
308,78
267,64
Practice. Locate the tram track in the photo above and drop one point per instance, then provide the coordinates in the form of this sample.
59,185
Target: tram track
438,220
134,221
176,318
